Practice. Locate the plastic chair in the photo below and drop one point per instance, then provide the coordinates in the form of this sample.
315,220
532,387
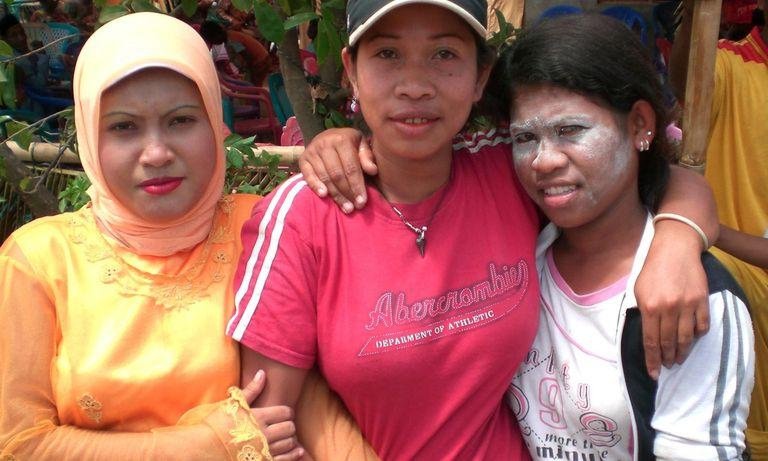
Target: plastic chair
48,33
23,9
49,102
292,135
241,87
631,17
559,10
309,62
248,125
60,30
280,101
260,61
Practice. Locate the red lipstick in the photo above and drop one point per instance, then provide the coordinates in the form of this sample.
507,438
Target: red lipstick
161,186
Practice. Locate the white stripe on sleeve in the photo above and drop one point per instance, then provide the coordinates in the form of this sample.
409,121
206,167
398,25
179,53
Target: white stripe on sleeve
293,186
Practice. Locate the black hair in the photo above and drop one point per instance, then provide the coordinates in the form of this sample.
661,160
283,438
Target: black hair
758,17
600,58
7,22
213,33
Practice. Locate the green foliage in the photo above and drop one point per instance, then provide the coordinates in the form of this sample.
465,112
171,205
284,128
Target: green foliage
189,7
248,172
273,21
25,183
269,21
19,132
110,12
139,6
298,19
331,37
67,131
331,118
7,77
505,34
75,195
242,5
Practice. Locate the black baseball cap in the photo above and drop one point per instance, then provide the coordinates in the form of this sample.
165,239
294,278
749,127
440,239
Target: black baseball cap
362,14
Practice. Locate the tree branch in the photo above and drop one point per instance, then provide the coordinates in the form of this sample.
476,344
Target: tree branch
41,202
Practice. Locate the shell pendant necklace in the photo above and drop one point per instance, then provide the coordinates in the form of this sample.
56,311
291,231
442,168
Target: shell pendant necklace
420,231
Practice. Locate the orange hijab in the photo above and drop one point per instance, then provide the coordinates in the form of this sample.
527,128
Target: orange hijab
116,50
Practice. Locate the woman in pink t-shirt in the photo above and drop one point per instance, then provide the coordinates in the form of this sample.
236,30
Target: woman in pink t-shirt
420,307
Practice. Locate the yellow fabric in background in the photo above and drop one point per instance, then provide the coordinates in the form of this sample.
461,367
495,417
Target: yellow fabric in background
737,170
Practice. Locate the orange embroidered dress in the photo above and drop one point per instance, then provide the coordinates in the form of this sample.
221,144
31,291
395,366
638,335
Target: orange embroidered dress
123,344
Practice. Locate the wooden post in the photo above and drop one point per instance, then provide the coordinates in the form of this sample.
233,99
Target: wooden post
700,83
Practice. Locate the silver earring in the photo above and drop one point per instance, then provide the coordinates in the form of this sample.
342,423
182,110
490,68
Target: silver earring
354,106
644,145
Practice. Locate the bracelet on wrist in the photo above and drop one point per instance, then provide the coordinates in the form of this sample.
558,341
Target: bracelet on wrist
684,220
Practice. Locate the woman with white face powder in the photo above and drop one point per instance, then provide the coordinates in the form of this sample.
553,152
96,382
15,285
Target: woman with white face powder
584,123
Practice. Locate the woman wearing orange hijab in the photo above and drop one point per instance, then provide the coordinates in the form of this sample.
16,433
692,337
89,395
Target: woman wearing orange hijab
113,344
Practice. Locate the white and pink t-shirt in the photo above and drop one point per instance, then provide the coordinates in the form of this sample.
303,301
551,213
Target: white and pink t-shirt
420,349
568,392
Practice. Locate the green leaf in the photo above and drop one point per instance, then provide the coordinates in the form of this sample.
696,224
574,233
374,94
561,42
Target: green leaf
285,7
99,4
322,46
140,6
189,7
25,183
505,32
2,167
338,119
235,158
328,41
339,5
20,133
75,195
248,189
269,22
112,12
232,139
242,5
244,142
298,19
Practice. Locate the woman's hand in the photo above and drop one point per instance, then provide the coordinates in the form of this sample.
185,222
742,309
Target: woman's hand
334,162
276,423
672,296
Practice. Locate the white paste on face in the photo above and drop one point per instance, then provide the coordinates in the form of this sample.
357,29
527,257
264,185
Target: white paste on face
564,138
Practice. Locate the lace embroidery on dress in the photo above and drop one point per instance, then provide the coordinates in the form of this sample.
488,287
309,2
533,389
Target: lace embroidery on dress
248,453
245,427
91,407
170,292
